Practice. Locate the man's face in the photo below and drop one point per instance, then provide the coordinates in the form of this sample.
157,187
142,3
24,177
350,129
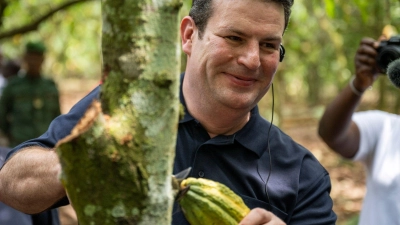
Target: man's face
234,62
33,62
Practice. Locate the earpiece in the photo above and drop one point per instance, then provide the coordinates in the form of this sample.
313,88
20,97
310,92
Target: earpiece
281,53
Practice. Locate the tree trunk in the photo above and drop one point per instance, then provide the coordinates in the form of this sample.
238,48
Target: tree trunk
117,162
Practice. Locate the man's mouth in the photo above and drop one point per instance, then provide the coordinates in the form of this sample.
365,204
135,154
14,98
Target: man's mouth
241,80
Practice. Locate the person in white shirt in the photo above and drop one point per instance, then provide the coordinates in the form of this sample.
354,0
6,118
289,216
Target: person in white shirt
370,137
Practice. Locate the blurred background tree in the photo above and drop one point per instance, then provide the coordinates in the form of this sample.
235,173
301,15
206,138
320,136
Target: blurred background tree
321,41
71,30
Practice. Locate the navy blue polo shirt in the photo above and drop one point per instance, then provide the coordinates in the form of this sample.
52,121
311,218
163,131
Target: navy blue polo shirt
298,186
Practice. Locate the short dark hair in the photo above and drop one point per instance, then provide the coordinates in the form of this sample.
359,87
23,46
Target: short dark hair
202,10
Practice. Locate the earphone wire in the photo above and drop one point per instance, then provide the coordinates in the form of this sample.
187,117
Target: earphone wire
269,148
269,152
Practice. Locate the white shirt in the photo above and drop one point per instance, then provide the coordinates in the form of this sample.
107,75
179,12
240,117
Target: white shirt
379,151
3,82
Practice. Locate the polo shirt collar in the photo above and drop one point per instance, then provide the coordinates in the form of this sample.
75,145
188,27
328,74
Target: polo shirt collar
254,134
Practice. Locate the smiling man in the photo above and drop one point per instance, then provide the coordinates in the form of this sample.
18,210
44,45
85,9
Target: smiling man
231,62
233,50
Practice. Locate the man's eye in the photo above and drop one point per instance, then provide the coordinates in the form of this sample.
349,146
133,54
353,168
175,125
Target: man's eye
269,45
234,38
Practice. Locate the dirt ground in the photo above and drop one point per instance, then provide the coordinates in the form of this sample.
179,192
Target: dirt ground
348,179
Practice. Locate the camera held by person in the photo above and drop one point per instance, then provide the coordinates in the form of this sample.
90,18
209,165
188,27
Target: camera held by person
388,51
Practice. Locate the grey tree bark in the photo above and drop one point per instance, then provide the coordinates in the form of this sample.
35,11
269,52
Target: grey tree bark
117,161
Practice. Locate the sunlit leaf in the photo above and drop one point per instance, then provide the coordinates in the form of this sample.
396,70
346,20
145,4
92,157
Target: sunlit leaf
330,8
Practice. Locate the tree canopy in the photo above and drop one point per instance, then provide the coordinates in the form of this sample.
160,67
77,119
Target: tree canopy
71,30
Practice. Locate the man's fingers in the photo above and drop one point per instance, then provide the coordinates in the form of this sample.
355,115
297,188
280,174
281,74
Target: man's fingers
367,41
260,216
365,59
366,49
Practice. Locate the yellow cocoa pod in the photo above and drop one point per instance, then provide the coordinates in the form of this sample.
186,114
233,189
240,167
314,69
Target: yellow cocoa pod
208,202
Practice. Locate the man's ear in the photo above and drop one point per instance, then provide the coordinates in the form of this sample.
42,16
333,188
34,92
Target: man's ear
187,30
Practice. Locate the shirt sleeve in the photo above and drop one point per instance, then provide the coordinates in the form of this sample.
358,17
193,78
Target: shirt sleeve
314,204
315,207
370,124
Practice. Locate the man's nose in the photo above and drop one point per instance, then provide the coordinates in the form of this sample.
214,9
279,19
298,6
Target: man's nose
250,56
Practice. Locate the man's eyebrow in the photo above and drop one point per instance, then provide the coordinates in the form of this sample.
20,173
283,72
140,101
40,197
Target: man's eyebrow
236,31
267,38
273,39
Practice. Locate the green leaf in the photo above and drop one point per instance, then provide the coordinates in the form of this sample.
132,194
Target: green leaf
330,8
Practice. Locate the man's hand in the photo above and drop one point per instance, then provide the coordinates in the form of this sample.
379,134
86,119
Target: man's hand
365,62
260,216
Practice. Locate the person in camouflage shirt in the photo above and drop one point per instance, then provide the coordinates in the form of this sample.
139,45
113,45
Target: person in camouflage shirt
29,102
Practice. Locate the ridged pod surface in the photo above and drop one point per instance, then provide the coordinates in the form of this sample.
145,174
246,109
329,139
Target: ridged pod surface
210,203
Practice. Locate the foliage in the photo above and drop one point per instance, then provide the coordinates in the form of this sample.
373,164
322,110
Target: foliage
321,41
72,36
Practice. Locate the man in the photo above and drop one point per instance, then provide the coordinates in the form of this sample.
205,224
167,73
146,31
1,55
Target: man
370,137
29,102
233,50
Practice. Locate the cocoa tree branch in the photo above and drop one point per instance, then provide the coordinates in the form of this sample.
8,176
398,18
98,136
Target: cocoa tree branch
36,22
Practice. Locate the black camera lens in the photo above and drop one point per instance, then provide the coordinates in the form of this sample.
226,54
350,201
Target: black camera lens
386,56
388,51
